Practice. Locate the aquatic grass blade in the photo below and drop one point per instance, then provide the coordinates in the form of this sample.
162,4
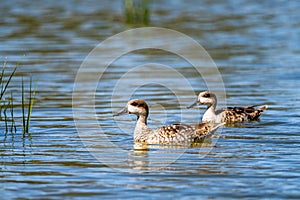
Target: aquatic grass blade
4,86
23,107
13,127
2,75
5,117
30,104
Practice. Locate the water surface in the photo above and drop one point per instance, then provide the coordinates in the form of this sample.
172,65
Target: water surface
256,48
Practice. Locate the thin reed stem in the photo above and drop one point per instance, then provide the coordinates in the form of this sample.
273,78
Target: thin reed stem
13,124
3,89
30,104
5,117
26,118
23,107
2,75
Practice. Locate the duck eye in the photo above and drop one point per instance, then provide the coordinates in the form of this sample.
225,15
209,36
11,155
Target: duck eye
134,104
206,95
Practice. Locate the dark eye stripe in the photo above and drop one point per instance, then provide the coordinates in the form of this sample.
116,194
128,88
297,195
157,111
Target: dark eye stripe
206,95
134,104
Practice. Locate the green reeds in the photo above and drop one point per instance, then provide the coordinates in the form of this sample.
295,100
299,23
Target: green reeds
2,82
13,127
26,117
5,117
7,106
137,12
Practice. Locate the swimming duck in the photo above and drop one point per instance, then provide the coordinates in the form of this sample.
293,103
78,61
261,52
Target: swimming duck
227,115
171,134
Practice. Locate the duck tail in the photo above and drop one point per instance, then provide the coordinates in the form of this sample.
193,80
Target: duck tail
256,114
264,107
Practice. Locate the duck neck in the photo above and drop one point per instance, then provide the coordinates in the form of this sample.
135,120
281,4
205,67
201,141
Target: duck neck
142,120
210,113
212,107
141,126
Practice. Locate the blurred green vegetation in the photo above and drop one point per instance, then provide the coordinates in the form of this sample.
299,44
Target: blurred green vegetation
137,12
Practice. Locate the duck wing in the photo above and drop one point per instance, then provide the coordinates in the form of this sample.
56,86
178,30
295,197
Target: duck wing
182,133
243,113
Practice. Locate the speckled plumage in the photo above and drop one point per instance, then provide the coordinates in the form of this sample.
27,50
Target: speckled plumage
171,134
227,115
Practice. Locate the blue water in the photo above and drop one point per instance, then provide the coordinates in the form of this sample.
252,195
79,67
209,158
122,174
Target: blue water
255,46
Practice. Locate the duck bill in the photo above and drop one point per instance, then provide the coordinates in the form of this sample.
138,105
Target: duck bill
122,112
193,104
